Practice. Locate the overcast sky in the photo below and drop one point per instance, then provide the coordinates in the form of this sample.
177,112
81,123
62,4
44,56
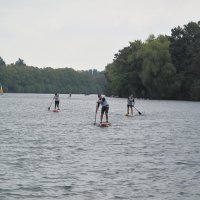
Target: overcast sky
84,34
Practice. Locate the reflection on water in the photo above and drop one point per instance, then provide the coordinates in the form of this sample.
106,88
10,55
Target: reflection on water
46,155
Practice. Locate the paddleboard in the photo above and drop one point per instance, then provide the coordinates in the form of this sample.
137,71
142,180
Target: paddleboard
55,110
104,124
128,115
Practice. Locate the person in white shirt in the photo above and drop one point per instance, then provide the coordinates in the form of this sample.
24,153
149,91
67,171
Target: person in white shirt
104,107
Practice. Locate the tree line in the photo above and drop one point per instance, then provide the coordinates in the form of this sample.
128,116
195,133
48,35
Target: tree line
163,67
20,78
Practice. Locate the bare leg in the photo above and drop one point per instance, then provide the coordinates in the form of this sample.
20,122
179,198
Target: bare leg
101,118
106,117
131,110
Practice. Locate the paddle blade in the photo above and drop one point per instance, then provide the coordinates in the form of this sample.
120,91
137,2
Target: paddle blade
48,108
139,113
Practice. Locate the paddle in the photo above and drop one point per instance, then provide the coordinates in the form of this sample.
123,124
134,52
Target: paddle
50,104
95,118
137,110
95,114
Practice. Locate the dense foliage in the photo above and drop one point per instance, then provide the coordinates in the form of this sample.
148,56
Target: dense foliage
21,78
163,67
166,67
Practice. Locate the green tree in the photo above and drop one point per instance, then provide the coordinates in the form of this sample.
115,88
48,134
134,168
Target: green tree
185,53
19,77
158,74
2,63
123,74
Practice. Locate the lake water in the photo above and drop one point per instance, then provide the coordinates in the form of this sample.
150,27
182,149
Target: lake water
46,155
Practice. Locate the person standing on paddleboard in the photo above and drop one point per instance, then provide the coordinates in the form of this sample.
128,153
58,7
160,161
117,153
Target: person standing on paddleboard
104,108
57,101
130,104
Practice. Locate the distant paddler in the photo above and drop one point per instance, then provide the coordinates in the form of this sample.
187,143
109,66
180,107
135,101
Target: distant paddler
130,104
57,101
1,89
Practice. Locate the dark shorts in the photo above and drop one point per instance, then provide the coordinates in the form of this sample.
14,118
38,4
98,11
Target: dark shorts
104,110
56,103
129,106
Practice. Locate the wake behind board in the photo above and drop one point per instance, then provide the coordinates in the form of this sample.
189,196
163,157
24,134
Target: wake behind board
104,124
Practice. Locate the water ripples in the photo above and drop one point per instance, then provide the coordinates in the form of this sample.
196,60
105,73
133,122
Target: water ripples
46,155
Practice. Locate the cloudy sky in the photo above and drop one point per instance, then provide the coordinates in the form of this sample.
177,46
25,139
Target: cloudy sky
84,34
